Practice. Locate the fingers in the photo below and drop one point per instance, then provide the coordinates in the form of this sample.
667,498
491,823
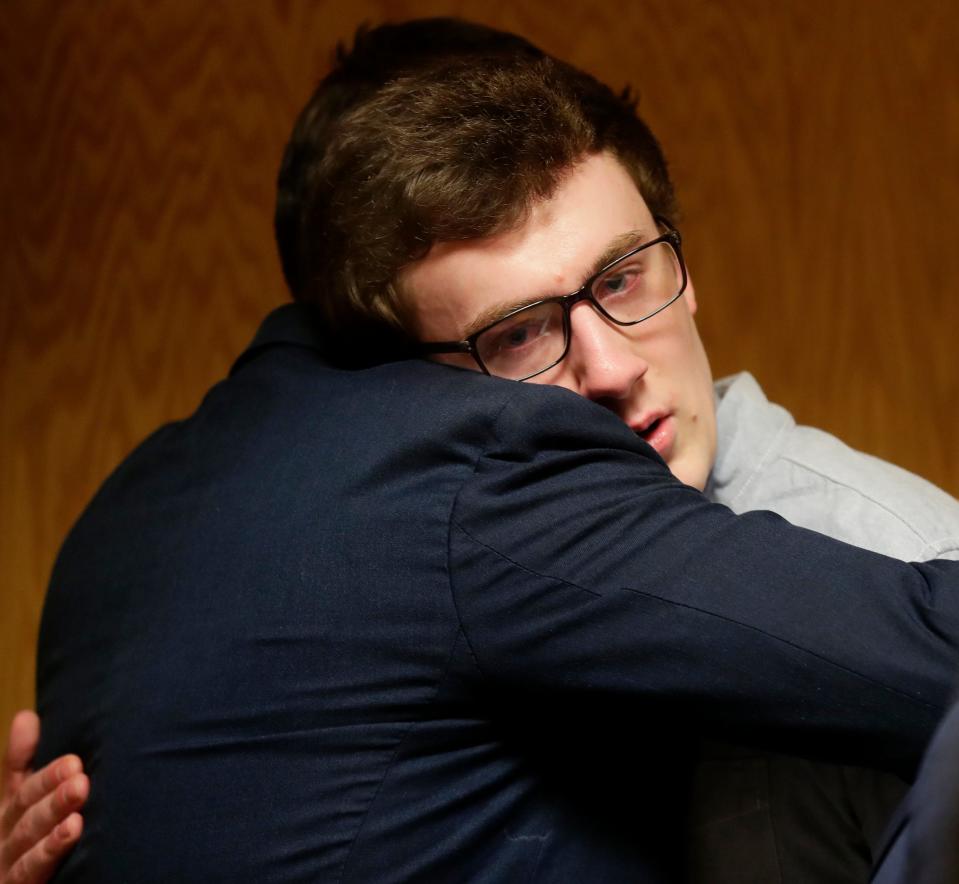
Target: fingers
39,822
36,787
24,736
39,863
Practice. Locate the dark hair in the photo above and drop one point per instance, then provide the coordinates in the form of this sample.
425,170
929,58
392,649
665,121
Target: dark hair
432,131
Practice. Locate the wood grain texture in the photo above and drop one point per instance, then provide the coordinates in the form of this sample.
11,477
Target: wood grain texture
815,145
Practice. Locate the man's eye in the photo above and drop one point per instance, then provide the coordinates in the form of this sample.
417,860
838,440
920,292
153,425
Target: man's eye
619,282
520,334
516,337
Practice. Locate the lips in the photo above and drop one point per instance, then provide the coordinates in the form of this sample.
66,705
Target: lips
647,422
659,430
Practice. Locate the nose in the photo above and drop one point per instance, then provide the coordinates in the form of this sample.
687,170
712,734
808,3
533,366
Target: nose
603,363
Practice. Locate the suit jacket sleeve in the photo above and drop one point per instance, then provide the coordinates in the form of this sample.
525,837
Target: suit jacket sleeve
581,568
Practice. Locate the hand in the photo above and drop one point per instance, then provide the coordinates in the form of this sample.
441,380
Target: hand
38,818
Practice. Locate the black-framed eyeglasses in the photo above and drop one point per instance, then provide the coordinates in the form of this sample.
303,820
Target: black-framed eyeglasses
532,339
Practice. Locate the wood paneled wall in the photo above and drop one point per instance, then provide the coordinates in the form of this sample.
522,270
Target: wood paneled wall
815,145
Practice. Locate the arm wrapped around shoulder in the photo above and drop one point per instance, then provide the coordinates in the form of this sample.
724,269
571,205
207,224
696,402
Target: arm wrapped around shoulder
580,564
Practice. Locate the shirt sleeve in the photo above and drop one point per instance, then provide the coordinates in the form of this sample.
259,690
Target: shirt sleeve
580,567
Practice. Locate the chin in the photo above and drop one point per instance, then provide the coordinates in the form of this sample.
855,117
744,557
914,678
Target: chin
690,474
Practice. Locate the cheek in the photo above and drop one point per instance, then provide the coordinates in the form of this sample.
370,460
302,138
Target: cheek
678,354
558,376
685,363
692,355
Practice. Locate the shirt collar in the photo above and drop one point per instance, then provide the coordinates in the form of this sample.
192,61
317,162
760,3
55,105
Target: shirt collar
293,325
750,433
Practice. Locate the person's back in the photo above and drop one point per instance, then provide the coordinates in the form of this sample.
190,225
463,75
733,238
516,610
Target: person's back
251,640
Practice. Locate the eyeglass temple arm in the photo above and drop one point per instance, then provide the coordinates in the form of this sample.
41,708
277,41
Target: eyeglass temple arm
445,347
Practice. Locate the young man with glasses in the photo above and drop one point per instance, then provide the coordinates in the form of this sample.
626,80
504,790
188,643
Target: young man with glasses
451,626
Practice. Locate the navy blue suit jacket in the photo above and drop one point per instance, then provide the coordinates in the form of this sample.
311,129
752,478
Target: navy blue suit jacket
922,841
411,623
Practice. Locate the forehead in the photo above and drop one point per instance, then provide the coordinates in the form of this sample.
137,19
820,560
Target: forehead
551,253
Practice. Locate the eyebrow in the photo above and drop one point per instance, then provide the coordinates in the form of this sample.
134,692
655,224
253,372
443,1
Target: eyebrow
615,248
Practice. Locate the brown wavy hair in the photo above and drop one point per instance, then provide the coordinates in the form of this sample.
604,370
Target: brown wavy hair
433,131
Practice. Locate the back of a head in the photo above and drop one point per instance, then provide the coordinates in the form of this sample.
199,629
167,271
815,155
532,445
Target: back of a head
431,131
376,57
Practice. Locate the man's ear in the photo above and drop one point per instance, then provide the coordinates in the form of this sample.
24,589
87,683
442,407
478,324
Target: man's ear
690,296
